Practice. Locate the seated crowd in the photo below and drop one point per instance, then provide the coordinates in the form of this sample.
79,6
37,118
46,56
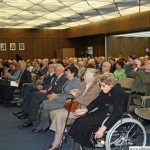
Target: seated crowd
85,80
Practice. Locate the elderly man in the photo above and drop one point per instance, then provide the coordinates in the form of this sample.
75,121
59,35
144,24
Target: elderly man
142,78
24,77
106,67
31,107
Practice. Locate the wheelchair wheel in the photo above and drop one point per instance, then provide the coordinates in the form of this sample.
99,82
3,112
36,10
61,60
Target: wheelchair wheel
125,133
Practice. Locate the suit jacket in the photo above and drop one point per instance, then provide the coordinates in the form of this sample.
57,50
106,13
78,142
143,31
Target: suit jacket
142,79
47,82
43,71
26,77
57,86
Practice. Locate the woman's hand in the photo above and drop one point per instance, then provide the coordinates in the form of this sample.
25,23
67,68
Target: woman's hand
100,132
80,112
74,92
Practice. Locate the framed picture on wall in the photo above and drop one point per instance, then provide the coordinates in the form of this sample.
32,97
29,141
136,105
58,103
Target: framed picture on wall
3,46
21,46
12,46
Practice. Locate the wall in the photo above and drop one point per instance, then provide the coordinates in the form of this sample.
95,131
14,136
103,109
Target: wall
127,46
38,43
128,23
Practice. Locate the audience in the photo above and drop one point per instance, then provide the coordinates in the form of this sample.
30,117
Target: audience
88,91
56,101
53,88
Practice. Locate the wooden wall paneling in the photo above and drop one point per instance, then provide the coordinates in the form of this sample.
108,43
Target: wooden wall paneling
34,33
3,33
49,33
62,34
140,21
123,23
49,47
16,33
127,46
72,32
98,28
34,48
68,52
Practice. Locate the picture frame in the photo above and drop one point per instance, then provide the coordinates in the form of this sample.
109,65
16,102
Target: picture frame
3,46
21,46
12,46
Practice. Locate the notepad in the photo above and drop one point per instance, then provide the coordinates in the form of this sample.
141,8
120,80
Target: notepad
14,83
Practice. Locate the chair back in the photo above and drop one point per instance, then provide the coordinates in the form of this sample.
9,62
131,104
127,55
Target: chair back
126,83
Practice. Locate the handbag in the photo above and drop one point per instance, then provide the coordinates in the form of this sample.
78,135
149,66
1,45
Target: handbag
71,106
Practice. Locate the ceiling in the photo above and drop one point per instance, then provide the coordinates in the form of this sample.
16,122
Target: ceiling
62,14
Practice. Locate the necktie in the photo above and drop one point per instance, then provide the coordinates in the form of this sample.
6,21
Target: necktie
20,75
53,82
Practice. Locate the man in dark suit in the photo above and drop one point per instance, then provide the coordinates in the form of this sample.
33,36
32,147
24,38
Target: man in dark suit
46,84
100,61
36,98
7,90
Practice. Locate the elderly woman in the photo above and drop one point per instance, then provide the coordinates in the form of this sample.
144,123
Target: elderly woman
88,91
110,101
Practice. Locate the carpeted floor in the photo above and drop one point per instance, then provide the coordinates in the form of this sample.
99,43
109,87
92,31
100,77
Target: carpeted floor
12,138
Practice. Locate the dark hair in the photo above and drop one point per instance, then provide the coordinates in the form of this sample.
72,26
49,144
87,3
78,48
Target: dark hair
121,63
112,58
73,69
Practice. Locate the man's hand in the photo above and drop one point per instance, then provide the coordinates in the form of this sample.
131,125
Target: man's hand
43,91
40,87
52,96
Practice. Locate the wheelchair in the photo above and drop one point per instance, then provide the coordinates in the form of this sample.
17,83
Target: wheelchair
124,133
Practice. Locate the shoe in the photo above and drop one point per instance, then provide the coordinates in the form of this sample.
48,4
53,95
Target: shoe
53,148
36,131
22,116
19,105
44,130
27,124
16,113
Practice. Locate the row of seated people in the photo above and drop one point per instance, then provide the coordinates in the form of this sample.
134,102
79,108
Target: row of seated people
111,100
29,121
131,68
46,109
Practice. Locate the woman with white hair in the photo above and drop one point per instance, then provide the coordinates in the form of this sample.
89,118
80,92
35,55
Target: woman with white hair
110,101
88,91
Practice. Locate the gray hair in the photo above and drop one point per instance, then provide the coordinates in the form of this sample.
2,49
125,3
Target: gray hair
59,66
93,73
